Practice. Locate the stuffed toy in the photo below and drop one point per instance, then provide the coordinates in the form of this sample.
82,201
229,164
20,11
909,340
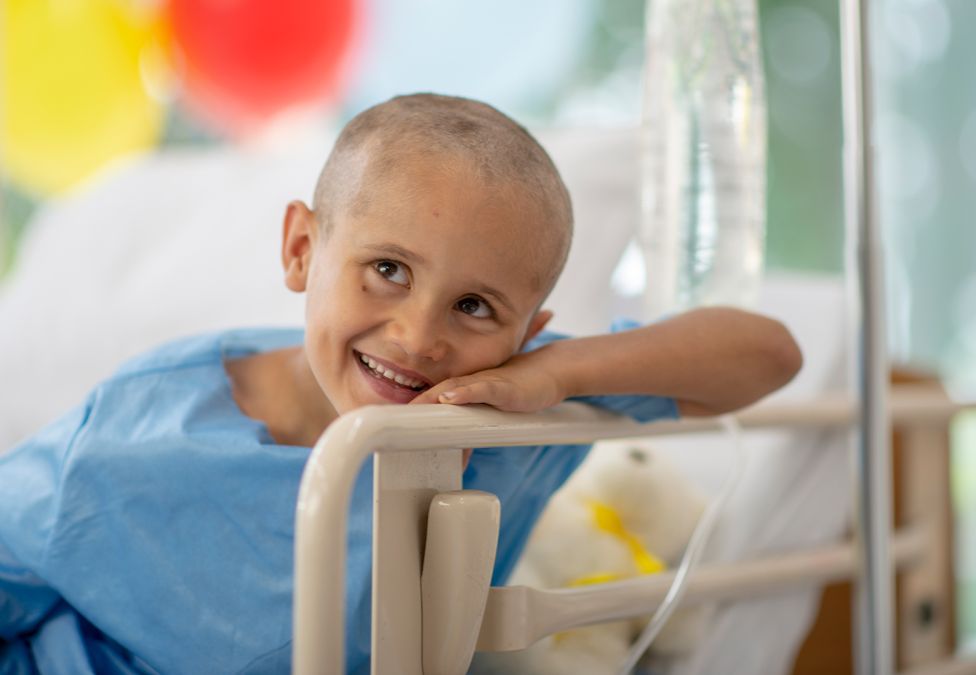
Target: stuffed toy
626,512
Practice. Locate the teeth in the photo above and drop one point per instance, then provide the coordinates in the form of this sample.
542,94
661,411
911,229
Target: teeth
389,374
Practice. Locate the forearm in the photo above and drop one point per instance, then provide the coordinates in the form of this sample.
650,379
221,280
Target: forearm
710,360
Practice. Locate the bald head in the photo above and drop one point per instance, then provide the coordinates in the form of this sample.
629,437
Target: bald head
386,138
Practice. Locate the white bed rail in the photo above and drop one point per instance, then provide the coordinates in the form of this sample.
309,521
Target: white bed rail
405,484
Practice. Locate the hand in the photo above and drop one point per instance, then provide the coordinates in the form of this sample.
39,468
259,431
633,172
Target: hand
525,383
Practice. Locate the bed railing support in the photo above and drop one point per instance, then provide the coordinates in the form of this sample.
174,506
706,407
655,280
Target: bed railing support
405,489
324,497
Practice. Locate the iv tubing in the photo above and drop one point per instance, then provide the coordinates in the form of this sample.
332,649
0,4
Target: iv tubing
692,552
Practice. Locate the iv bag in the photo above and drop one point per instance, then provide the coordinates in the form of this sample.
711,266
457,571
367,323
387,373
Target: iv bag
703,149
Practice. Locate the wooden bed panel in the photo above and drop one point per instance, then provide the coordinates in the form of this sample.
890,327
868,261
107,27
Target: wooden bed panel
925,593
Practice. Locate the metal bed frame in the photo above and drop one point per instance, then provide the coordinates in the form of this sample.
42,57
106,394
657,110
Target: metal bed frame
432,605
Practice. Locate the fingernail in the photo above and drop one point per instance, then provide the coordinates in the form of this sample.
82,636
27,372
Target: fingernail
447,396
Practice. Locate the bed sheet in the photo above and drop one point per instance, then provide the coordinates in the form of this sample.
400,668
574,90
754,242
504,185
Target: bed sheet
794,491
186,241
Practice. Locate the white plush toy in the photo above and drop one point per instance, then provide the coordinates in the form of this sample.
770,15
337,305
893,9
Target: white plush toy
627,511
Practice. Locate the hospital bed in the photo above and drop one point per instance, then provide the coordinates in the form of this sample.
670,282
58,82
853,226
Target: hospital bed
129,261
432,551
428,634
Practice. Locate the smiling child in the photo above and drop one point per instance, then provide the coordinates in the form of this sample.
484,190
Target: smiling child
151,528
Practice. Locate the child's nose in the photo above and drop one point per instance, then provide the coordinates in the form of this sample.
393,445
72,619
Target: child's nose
419,332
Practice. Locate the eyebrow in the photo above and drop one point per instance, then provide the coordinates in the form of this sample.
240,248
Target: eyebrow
397,251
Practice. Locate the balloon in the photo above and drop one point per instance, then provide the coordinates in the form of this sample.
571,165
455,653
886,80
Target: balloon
72,91
243,61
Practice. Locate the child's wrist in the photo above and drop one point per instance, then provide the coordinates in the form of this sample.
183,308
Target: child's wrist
561,368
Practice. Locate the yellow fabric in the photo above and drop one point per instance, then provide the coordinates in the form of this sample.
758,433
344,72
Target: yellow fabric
599,578
606,519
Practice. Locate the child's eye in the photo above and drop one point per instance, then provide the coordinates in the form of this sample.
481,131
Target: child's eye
475,307
392,271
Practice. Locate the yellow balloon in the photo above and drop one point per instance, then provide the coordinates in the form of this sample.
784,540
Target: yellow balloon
73,95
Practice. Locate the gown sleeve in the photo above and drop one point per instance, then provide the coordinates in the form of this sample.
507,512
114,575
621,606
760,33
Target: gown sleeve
30,477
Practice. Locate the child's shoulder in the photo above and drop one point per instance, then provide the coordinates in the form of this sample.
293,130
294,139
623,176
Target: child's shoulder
153,396
208,349
544,337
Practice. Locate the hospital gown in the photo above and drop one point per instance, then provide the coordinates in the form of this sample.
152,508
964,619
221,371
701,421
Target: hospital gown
151,529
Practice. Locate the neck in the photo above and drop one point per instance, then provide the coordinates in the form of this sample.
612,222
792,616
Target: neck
279,389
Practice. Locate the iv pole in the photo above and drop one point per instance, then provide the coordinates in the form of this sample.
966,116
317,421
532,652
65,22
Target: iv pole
864,274
874,606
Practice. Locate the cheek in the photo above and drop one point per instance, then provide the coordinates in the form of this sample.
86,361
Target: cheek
337,323
323,332
336,301
318,319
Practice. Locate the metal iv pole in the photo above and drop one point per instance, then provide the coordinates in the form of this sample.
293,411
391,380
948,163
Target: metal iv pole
874,606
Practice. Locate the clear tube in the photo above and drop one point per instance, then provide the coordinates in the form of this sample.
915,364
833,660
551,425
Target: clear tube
696,545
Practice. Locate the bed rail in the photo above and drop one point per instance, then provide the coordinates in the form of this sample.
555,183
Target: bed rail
417,458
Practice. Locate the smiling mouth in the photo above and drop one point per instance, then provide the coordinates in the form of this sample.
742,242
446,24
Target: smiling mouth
391,376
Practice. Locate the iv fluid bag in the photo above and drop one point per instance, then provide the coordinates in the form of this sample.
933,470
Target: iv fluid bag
703,155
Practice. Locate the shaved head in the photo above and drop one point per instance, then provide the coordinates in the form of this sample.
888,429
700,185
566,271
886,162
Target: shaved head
455,132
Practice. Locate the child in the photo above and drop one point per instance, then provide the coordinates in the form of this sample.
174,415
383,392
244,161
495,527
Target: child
151,529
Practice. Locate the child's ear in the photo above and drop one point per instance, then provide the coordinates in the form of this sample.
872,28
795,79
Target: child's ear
536,324
299,234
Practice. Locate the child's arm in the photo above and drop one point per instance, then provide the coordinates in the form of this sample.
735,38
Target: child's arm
710,361
31,476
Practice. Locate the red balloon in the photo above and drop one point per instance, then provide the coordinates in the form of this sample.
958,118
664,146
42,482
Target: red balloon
242,61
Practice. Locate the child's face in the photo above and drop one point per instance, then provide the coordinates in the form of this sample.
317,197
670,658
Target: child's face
434,278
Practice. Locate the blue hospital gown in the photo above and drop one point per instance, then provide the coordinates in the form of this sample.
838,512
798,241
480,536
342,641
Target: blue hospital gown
151,528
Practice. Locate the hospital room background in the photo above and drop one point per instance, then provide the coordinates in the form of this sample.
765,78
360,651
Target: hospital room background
118,119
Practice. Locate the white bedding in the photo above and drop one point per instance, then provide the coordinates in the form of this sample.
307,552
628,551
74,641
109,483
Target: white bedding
187,241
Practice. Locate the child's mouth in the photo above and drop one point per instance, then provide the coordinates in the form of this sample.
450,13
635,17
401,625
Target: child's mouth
388,376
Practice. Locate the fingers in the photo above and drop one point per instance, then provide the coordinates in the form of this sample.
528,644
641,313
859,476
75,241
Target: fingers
493,392
472,389
425,397
447,391
433,394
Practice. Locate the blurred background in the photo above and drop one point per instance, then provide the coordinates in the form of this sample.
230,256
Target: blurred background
89,84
